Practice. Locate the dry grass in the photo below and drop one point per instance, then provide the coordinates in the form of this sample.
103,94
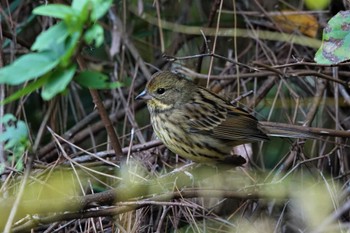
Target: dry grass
78,184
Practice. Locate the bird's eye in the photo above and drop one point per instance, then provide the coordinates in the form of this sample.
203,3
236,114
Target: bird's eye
160,91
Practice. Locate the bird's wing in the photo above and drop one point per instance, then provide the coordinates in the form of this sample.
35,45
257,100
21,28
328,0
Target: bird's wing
214,116
239,125
205,112
206,119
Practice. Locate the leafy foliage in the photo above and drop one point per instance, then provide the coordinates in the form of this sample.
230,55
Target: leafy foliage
50,63
77,184
15,137
335,40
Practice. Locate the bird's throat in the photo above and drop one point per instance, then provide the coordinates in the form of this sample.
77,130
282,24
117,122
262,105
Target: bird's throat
156,106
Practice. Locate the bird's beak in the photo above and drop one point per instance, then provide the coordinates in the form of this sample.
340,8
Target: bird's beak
144,95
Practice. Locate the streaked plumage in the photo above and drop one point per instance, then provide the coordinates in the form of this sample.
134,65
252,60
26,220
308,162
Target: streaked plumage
194,122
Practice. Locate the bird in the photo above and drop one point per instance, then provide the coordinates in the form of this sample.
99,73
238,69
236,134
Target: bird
196,123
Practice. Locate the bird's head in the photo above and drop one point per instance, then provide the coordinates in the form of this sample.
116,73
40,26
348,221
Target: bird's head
167,90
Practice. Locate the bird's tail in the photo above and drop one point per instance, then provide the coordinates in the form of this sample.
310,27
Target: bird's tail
298,131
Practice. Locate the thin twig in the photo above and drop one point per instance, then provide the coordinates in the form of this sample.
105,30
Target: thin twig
103,114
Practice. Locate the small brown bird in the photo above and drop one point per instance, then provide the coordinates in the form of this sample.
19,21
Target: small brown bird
196,123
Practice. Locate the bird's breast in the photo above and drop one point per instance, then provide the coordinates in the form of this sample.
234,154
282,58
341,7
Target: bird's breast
172,128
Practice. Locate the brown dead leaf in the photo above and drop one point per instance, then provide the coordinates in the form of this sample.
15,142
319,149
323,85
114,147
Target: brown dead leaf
289,22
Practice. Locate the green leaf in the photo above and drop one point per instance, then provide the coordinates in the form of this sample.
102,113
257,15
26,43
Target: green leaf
56,10
28,67
95,80
335,40
15,134
26,90
73,19
94,34
80,5
60,41
99,8
7,118
50,38
57,82
70,47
